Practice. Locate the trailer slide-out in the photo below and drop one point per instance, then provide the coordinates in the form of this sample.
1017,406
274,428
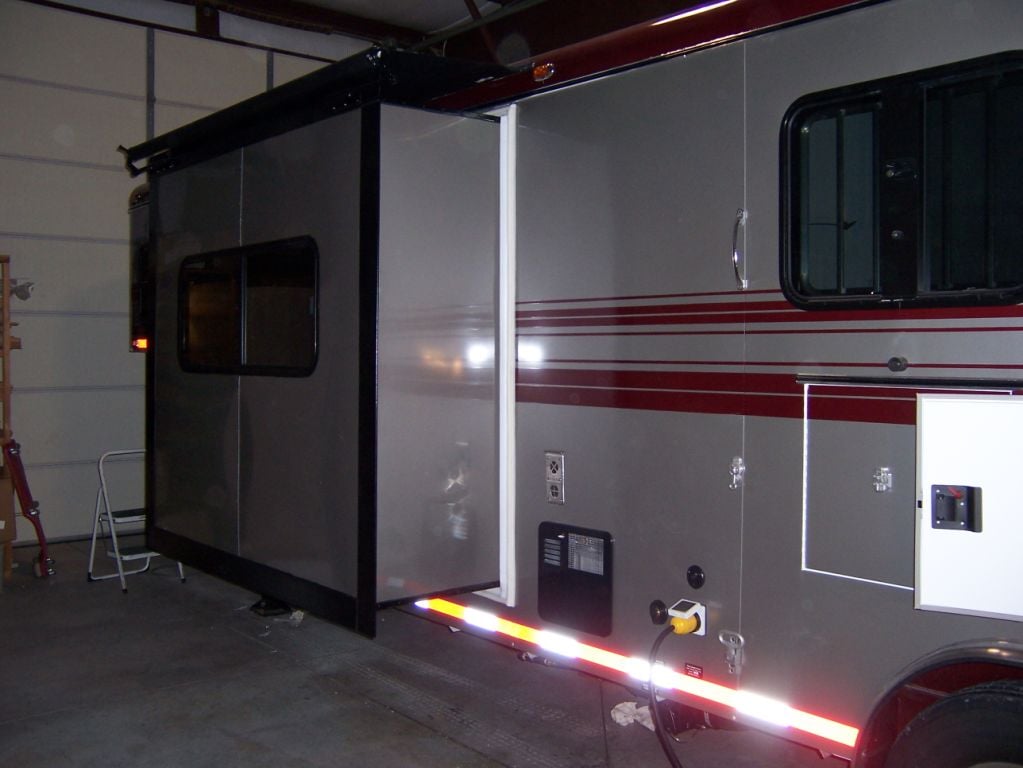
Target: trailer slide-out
736,331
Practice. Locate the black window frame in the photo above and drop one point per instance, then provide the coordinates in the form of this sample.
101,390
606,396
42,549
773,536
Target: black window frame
232,265
900,220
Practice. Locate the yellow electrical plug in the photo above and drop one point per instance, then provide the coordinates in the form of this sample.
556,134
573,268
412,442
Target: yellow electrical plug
685,626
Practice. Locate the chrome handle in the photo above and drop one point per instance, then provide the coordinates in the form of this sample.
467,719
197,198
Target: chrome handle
740,281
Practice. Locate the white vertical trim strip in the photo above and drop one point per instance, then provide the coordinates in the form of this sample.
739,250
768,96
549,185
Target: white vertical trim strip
806,465
506,359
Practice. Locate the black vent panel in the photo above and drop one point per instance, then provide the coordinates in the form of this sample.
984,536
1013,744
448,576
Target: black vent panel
574,584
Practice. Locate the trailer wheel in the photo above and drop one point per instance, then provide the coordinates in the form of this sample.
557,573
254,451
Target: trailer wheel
979,727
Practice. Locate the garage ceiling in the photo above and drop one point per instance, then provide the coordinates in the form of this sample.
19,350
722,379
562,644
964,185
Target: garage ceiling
508,31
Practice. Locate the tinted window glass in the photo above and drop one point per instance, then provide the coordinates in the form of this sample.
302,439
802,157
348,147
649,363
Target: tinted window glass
250,310
974,140
211,303
837,198
280,310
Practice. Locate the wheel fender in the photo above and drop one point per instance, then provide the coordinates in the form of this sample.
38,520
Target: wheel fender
929,680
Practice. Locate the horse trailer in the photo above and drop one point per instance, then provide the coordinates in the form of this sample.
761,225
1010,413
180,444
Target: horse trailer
727,334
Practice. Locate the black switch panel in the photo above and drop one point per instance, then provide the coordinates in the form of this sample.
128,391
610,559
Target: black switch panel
956,507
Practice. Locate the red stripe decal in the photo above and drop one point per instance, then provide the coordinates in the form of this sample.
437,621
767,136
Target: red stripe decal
647,297
716,382
786,331
879,411
747,394
655,309
758,313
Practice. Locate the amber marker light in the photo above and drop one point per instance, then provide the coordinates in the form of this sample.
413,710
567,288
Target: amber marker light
543,72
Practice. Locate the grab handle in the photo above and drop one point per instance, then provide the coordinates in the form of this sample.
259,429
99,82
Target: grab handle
740,280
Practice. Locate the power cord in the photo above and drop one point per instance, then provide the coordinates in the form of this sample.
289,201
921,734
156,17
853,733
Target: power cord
662,737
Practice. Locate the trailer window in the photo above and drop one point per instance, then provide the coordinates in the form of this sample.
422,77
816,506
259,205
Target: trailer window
908,189
250,310
837,194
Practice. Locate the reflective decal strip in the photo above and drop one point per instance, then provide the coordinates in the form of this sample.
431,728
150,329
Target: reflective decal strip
745,702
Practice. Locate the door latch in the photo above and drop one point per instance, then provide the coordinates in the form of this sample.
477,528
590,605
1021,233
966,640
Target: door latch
734,643
883,479
737,472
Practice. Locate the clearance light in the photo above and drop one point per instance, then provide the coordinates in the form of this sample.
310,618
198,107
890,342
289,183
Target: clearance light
559,644
543,72
140,344
481,619
763,708
663,676
638,669
744,702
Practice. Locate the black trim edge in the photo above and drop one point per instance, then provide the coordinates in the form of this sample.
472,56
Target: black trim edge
397,602
322,601
379,74
369,274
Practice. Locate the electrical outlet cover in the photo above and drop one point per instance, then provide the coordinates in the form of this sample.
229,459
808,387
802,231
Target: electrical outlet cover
555,462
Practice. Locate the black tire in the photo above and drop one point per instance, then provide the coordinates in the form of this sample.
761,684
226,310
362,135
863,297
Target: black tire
977,727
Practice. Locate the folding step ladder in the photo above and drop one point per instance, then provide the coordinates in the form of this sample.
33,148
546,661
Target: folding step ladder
107,520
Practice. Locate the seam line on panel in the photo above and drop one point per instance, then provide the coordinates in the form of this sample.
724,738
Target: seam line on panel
68,313
185,105
60,464
59,162
78,388
65,238
69,88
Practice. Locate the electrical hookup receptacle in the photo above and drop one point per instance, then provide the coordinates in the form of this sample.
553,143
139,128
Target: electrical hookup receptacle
688,609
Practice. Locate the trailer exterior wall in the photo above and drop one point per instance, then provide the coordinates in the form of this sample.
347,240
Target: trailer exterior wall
811,625
260,468
651,370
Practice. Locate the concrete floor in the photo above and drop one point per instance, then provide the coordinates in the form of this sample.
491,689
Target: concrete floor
185,676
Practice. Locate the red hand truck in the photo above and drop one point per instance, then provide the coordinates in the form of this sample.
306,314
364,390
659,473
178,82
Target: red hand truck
43,565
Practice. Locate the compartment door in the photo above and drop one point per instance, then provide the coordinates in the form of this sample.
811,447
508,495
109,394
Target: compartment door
437,422
969,523
630,331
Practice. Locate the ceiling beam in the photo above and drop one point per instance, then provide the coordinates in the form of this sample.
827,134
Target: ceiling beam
313,18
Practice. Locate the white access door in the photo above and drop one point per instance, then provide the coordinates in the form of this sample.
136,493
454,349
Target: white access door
969,518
